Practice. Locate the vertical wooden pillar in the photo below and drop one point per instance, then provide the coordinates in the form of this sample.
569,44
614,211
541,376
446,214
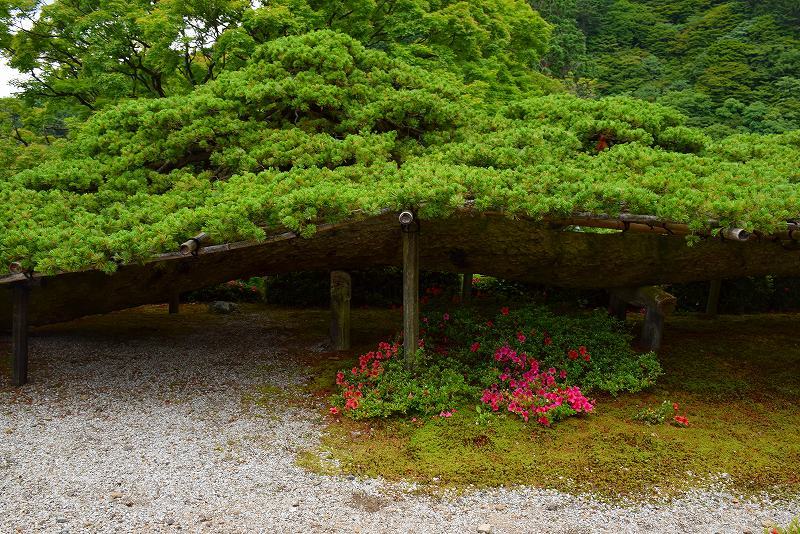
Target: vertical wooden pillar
19,335
617,307
714,289
410,232
658,304
652,329
175,303
341,291
466,288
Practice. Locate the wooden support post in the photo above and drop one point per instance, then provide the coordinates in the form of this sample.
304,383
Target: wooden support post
617,307
19,335
410,232
714,289
657,303
341,292
652,329
175,303
466,288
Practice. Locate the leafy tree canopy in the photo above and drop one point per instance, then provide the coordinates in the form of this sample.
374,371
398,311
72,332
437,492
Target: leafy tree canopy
93,52
315,126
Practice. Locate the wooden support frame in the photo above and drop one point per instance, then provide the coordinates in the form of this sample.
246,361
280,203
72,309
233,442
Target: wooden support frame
19,335
658,305
714,290
410,231
174,303
341,291
466,288
617,307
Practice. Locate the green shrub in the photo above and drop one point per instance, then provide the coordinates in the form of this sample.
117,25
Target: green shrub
554,358
613,367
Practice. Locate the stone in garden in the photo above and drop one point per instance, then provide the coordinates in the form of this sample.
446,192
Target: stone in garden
485,528
223,307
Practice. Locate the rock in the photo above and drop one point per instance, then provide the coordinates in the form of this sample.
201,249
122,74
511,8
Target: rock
223,307
170,520
129,502
115,494
485,528
552,506
295,504
61,520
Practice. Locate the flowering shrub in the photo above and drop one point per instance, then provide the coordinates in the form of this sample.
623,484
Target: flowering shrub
381,386
524,361
657,416
593,349
529,392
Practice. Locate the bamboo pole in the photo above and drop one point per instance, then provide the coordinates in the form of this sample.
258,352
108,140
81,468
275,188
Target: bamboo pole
192,246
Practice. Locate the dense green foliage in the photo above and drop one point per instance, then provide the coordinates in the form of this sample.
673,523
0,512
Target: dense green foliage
92,52
142,123
730,65
460,359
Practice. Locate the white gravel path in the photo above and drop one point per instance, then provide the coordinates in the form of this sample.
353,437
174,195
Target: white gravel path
145,430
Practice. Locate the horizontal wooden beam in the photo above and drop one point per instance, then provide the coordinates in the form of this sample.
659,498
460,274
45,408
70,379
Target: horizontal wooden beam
489,244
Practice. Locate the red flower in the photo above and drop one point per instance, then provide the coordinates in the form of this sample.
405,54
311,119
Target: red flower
543,420
521,337
475,347
573,354
582,350
675,406
504,310
334,410
681,420
548,341
587,358
490,323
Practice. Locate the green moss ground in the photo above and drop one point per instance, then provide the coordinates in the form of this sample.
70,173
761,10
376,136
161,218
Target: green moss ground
737,379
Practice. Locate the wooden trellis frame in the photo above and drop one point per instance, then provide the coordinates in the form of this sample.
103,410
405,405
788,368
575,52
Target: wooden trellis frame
644,252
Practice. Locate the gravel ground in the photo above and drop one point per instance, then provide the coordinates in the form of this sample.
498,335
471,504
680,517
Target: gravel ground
138,421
